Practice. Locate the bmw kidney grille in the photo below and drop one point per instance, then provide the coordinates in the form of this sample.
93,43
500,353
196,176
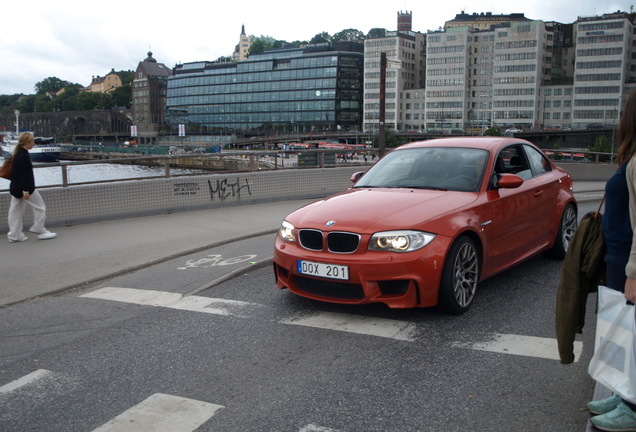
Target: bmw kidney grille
337,241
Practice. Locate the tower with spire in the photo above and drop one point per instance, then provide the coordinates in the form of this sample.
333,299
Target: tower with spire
242,50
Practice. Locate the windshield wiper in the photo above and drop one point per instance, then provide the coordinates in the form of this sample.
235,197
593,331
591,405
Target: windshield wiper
423,187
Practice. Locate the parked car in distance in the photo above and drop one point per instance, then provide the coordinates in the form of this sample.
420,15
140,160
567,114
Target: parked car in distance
513,130
428,222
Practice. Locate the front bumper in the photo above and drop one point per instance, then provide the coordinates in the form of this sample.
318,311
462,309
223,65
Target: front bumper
399,280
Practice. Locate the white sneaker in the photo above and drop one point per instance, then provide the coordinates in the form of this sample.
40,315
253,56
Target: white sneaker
21,239
46,235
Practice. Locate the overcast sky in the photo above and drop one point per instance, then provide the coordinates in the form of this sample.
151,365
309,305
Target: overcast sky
75,41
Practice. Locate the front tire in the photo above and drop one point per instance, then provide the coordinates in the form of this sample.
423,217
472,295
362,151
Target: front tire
567,228
459,277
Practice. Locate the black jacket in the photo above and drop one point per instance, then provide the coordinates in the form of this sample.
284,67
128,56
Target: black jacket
21,174
582,272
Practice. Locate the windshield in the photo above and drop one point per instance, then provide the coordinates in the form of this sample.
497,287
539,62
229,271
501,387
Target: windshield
441,168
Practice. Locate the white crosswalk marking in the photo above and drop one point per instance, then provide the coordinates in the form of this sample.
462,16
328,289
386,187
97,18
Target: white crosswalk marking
174,301
380,327
358,324
316,428
25,380
530,346
162,413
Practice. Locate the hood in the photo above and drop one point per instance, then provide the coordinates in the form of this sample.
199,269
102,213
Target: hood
368,210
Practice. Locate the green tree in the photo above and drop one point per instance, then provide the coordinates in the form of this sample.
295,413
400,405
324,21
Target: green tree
8,102
281,44
51,84
67,101
348,35
69,104
94,100
26,104
376,32
43,103
126,77
261,44
602,145
122,96
493,131
321,38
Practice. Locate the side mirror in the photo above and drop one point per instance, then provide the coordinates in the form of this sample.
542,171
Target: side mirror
509,181
356,176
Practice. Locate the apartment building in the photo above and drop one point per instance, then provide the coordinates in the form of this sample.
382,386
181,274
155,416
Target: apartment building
604,69
405,50
105,84
506,70
448,75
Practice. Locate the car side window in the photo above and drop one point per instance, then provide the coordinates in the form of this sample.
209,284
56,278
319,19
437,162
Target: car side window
512,160
538,162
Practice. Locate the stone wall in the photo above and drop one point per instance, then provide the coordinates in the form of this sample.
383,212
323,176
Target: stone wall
67,126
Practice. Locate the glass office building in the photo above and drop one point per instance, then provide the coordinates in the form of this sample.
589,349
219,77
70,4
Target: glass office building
314,88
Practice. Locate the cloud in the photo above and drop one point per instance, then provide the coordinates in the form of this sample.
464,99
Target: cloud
60,39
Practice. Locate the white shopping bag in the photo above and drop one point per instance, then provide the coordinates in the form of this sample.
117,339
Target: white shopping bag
613,363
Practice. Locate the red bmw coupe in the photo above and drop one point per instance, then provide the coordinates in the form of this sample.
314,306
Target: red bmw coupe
428,222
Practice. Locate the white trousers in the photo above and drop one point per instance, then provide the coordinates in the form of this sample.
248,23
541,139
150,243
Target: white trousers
16,215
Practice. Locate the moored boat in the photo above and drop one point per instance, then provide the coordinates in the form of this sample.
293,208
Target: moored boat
45,149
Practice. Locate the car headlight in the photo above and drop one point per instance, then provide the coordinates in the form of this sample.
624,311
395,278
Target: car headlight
400,241
286,232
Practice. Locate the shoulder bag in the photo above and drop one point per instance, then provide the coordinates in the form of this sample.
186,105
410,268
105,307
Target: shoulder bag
5,169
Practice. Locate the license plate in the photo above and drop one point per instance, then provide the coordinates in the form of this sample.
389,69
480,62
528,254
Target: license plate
331,271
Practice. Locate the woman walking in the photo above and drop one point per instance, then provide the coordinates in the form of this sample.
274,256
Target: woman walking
23,192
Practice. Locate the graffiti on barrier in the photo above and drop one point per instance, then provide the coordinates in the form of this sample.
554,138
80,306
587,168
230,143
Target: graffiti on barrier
215,260
227,188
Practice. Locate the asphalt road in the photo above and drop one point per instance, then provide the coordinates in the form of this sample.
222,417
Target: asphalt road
237,354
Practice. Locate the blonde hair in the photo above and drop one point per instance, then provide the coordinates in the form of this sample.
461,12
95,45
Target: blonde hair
25,137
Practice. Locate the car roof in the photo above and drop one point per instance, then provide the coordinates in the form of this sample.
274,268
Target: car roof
486,143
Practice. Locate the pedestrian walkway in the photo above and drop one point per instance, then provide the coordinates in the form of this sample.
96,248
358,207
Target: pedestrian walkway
82,254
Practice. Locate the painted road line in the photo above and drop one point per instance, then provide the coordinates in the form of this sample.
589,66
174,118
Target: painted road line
27,379
358,324
331,321
316,428
175,301
529,346
162,413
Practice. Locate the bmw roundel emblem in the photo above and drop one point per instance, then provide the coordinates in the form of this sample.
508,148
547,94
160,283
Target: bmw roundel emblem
330,223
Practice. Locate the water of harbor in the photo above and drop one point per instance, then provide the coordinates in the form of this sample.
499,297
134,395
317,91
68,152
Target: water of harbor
51,176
